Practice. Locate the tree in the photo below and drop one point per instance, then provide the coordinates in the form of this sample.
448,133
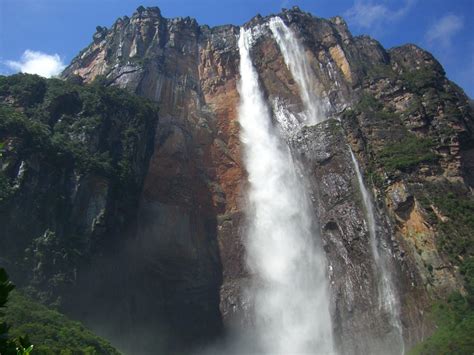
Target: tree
8,346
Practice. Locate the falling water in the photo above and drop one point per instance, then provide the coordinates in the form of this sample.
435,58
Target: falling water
387,297
290,288
296,61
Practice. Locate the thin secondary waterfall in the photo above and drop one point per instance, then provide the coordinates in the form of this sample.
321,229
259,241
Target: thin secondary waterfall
387,297
290,288
296,61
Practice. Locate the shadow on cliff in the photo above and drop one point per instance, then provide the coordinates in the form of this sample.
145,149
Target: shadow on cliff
155,288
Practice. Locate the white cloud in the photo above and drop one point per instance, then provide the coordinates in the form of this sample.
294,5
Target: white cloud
443,31
33,62
370,14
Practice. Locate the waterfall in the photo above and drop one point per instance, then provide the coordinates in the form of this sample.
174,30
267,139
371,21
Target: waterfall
296,61
290,289
295,58
388,301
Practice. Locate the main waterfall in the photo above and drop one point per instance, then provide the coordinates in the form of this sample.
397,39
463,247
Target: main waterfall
290,289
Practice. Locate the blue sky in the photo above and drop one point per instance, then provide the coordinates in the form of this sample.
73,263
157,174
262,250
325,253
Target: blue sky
43,35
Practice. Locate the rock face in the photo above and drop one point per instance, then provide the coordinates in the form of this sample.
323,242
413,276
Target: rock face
409,126
72,166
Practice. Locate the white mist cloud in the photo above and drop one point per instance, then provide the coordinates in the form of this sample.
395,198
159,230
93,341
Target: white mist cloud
442,32
370,14
40,63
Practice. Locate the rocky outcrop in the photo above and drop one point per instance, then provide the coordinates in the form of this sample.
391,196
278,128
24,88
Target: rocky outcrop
362,325
73,164
189,210
409,126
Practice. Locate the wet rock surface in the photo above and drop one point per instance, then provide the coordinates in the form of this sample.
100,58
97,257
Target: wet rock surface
188,235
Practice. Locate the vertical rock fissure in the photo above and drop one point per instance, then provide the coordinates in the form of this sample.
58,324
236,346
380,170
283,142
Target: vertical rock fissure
289,289
387,298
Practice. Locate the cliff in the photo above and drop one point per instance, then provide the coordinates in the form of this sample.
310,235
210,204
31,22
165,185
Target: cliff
410,128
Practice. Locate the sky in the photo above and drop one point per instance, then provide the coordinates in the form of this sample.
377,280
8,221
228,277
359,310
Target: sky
42,36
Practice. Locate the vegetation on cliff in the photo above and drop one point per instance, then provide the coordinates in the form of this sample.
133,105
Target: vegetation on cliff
404,151
50,331
398,154
55,119
451,212
25,322
56,136
454,320
72,160
407,153
8,344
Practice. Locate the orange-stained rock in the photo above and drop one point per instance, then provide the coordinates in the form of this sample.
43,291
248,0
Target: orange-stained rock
192,225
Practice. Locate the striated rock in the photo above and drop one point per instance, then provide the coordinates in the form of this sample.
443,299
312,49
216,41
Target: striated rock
409,126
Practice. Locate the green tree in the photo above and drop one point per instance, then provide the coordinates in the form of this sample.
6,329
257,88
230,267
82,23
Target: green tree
9,346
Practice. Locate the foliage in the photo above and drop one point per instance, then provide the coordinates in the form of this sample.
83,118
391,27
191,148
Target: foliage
368,103
381,71
89,128
28,89
9,345
420,79
62,137
467,271
460,212
455,317
454,238
455,321
68,115
407,153
415,106
6,190
53,260
374,176
5,288
50,331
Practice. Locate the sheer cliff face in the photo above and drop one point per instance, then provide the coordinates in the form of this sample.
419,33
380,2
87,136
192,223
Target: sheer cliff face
191,216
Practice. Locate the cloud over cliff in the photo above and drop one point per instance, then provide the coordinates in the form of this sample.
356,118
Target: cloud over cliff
40,63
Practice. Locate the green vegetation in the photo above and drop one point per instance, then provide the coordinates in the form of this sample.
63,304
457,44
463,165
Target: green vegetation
403,154
23,320
455,238
455,327
421,79
29,90
52,260
415,107
8,344
6,190
368,103
375,176
455,317
60,117
56,136
50,331
380,71
407,153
